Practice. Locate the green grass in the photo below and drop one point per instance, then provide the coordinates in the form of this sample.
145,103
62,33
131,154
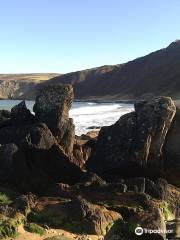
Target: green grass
4,199
34,228
7,195
167,211
9,226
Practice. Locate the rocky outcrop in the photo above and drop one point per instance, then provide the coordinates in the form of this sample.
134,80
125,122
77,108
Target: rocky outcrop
81,216
24,203
171,150
133,145
20,113
52,107
156,189
153,219
31,155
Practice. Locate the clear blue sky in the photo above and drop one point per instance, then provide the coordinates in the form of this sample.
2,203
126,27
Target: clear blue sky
68,35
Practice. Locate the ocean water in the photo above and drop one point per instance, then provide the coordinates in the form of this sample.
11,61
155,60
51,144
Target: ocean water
85,114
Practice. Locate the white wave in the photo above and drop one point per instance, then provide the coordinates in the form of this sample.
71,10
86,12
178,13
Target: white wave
99,115
85,115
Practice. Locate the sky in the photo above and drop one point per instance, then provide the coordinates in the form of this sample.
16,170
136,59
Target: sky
61,36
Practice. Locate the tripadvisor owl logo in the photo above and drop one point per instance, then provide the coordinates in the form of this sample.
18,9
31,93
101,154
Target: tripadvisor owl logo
139,231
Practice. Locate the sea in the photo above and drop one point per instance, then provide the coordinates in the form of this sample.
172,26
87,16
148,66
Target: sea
87,116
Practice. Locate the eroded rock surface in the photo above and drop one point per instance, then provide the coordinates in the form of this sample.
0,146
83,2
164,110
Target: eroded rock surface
52,107
133,145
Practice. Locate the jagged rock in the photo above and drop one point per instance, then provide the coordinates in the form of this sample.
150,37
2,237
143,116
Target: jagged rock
33,134
36,161
20,113
82,150
154,119
133,145
52,107
25,203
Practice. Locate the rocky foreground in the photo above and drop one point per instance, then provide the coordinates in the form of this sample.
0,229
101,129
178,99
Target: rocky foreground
105,185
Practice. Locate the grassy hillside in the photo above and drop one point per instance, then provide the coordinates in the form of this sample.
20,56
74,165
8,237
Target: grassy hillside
155,74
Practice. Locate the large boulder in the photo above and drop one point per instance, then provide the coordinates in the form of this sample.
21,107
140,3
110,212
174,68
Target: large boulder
31,156
52,107
152,219
171,150
154,119
133,145
157,188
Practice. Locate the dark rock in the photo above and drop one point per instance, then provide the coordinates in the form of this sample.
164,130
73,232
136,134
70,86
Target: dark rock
36,162
12,162
52,107
20,113
171,151
112,151
32,134
65,191
157,188
6,155
25,203
151,218
61,167
133,145
5,116
94,127
154,119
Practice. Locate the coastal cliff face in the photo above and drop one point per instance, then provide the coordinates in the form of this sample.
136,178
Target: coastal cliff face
104,184
152,75
21,86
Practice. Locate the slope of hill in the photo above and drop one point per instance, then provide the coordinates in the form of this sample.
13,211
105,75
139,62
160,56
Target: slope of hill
20,86
155,74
